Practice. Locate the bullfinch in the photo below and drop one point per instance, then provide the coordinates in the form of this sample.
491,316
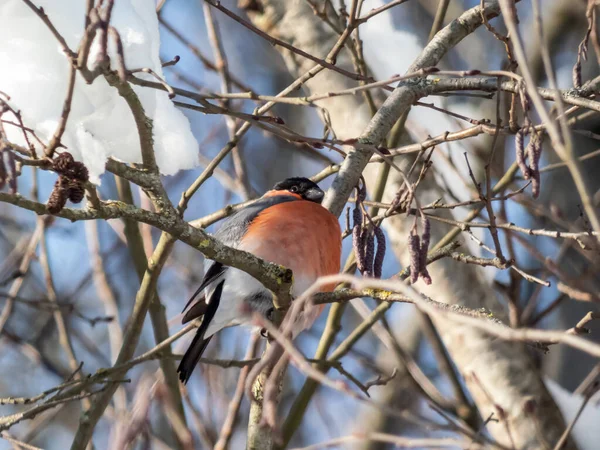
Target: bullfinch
287,226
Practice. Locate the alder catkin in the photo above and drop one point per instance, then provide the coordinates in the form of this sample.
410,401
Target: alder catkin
12,172
534,152
414,250
3,173
425,238
369,242
356,239
380,254
520,154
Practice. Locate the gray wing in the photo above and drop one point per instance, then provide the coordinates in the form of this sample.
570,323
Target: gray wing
234,228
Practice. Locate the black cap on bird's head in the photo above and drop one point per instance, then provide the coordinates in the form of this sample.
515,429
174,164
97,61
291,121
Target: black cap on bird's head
303,187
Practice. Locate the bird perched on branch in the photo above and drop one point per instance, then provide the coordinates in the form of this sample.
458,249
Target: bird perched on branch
287,226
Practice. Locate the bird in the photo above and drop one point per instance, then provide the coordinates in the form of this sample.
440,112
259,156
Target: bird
287,226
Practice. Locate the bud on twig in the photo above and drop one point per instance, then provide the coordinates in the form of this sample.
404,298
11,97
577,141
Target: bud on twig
121,72
581,56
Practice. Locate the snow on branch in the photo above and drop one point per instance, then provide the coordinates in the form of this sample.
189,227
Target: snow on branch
100,124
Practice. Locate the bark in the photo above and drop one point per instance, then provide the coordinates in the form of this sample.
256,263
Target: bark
500,376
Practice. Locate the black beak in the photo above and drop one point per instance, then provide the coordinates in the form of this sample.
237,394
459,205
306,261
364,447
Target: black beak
314,195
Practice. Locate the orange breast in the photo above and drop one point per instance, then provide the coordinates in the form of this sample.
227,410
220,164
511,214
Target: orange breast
301,235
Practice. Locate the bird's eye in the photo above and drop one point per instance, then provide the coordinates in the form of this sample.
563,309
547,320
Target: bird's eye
294,189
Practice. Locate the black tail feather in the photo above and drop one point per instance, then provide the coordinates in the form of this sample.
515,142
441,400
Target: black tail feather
192,356
197,310
194,352
214,271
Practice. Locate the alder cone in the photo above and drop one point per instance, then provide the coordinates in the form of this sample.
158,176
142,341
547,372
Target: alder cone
58,196
62,163
76,191
79,172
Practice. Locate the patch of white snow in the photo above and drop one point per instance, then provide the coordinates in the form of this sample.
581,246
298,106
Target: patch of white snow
35,72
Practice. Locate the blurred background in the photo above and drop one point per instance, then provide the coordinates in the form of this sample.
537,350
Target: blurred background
96,307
